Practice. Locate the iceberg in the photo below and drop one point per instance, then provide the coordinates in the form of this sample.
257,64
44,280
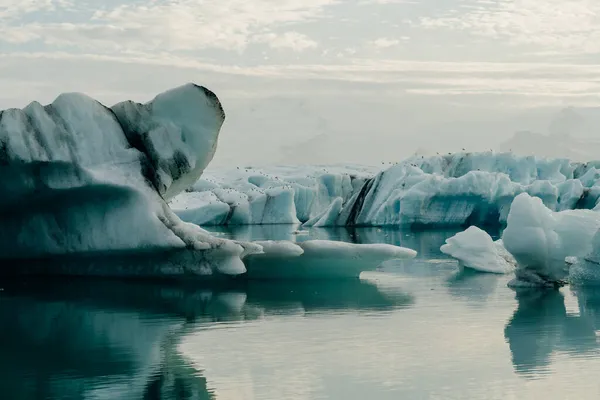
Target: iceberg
585,269
81,178
320,259
277,195
541,240
475,249
463,189
545,248
85,190
460,189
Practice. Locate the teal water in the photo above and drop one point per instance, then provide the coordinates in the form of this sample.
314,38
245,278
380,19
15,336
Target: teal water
418,329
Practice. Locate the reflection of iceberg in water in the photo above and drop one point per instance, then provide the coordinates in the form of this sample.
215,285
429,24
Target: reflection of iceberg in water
89,342
318,296
473,286
541,327
113,340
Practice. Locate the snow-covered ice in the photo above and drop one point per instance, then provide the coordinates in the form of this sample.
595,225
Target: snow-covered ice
475,249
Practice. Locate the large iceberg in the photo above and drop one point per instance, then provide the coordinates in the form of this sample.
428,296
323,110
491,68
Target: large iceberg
85,189
78,177
277,195
459,189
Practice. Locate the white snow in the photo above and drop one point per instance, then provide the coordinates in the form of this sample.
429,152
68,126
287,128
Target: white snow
322,259
541,240
475,249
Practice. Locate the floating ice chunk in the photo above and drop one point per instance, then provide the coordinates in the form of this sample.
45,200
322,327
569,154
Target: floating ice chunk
273,248
475,249
322,259
541,240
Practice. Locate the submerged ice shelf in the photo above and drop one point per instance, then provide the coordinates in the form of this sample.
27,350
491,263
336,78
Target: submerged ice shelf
454,190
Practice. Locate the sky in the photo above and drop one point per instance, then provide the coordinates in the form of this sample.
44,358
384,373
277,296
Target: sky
320,81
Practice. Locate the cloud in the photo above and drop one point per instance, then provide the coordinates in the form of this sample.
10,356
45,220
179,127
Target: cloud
12,9
567,26
289,40
384,43
525,80
390,2
178,25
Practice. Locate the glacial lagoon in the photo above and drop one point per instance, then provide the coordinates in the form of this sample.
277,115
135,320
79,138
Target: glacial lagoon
417,329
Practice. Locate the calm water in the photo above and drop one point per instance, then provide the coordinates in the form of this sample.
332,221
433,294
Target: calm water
415,330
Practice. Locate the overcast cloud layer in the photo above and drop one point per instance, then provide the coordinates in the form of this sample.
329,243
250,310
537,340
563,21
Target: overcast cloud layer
361,81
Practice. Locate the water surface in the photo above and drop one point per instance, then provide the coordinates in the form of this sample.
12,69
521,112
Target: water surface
418,329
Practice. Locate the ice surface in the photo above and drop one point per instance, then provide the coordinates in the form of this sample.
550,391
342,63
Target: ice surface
460,189
329,216
321,259
80,178
475,249
541,240
177,131
278,195
84,189
585,270
463,189
272,248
